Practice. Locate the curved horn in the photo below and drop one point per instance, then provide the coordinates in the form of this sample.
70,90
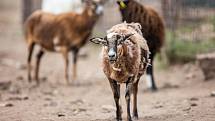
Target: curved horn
128,36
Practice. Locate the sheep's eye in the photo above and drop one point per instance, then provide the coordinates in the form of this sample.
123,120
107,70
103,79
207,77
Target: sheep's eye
118,37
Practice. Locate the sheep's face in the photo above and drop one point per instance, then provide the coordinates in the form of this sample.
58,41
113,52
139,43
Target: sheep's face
112,41
123,3
95,6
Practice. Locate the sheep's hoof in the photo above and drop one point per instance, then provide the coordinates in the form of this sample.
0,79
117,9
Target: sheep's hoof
129,119
153,89
118,119
75,83
29,79
135,117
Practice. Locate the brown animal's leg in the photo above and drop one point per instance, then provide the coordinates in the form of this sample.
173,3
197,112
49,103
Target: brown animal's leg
150,74
66,59
135,90
127,97
30,51
39,56
75,57
116,92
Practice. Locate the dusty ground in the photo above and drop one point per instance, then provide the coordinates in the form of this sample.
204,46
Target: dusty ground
182,95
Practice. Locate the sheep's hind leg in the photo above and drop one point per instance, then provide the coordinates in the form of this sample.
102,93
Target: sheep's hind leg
75,57
127,97
30,51
39,56
135,91
116,92
150,75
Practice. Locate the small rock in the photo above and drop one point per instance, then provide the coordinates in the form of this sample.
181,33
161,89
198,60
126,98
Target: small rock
213,94
158,106
61,115
9,105
194,99
78,110
193,104
206,64
25,98
6,105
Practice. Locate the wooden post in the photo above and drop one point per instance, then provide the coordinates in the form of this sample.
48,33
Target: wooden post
29,6
26,9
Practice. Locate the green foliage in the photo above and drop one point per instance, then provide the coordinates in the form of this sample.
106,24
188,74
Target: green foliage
186,51
199,3
212,20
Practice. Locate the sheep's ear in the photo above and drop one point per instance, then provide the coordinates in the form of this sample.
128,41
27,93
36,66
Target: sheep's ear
99,41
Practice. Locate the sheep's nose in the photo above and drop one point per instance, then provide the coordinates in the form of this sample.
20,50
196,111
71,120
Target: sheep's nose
112,54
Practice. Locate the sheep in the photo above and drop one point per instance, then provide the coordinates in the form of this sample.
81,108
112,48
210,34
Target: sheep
60,33
152,28
125,58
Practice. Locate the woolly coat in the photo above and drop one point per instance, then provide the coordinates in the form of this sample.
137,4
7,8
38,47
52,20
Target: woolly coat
132,54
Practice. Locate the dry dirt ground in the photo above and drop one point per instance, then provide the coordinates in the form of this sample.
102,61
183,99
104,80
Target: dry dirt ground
183,94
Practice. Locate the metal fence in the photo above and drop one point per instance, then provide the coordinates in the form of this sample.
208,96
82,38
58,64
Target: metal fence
181,16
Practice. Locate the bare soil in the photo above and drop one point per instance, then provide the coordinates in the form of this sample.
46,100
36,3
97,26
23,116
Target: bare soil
183,94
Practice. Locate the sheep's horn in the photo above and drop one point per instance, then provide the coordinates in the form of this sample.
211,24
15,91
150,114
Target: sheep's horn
128,36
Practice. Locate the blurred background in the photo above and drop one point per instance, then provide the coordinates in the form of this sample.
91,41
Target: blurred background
184,20
186,61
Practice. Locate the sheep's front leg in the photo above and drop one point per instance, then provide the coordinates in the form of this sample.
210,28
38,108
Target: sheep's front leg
116,92
135,90
30,51
75,57
127,97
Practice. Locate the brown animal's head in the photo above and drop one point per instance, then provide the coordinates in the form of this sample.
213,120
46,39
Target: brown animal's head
112,41
94,7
